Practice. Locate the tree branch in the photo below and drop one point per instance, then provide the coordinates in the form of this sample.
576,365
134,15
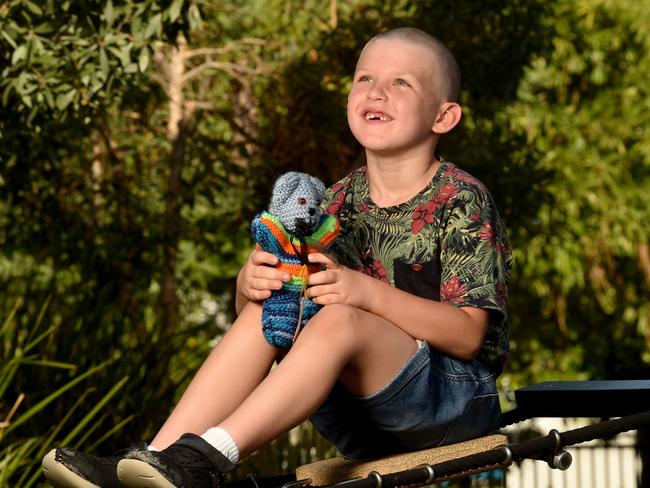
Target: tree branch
232,46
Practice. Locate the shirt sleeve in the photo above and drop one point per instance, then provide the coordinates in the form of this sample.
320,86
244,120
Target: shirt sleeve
475,253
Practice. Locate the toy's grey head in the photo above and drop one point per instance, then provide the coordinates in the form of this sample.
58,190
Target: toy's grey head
296,202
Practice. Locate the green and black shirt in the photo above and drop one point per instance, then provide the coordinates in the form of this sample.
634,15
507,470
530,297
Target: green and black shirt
447,243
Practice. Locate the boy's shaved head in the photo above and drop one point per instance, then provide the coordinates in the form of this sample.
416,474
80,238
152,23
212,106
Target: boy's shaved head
447,69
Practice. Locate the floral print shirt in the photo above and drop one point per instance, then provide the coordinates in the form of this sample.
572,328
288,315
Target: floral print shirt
447,244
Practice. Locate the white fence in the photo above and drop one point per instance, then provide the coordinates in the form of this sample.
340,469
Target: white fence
598,464
613,466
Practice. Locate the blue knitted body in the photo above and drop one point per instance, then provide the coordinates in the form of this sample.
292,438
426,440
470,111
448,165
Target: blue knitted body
280,316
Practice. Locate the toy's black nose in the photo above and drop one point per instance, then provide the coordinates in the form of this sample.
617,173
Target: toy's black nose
302,227
312,211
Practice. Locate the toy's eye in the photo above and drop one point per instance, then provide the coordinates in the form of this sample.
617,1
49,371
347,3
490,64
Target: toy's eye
302,201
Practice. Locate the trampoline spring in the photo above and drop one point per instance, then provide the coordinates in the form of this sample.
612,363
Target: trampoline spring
508,453
431,474
561,460
376,477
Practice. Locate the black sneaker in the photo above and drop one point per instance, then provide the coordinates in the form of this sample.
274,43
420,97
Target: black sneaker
67,468
190,462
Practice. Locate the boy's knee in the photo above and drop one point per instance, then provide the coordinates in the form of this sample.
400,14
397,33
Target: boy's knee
335,322
339,313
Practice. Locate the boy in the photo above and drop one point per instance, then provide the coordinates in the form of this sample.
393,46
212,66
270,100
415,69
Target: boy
413,332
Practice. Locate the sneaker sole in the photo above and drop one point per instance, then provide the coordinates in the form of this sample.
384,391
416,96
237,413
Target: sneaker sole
133,473
61,477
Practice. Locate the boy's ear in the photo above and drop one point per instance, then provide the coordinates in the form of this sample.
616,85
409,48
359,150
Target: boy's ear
448,117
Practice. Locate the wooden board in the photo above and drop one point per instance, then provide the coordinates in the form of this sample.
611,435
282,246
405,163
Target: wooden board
339,469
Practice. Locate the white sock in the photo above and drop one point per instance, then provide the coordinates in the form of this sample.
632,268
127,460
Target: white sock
152,448
223,442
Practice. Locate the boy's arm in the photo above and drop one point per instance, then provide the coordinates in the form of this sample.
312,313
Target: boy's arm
455,331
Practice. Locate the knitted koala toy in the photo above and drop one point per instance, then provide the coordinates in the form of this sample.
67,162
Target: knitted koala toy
293,227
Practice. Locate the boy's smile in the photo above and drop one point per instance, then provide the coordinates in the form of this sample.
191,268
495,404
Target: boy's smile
393,103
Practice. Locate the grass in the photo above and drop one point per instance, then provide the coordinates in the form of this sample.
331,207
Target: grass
27,429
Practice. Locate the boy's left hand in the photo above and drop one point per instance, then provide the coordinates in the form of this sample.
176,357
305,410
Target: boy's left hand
336,283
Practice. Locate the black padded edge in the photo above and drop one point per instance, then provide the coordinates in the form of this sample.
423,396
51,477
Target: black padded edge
611,398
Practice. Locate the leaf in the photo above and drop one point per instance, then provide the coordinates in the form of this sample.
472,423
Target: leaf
64,99
110,38
136,28
6,93
113,430
54,395
44,28
109,13
90,415
154,27
19,54
8,38
175,10
143,59
103,61
50,364
33,8
194,16
7,323
123,54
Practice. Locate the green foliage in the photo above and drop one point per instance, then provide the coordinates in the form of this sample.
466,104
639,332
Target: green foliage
65,58
582,110
83,195
26,343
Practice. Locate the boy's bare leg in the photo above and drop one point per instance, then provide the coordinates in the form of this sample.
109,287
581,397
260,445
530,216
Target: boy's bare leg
363,350
238,363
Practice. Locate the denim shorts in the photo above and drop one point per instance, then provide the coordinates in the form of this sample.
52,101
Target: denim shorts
434,400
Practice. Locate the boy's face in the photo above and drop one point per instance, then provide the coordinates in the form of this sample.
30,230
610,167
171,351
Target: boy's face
394,100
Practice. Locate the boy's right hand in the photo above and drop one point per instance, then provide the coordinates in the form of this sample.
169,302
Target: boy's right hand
258,277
